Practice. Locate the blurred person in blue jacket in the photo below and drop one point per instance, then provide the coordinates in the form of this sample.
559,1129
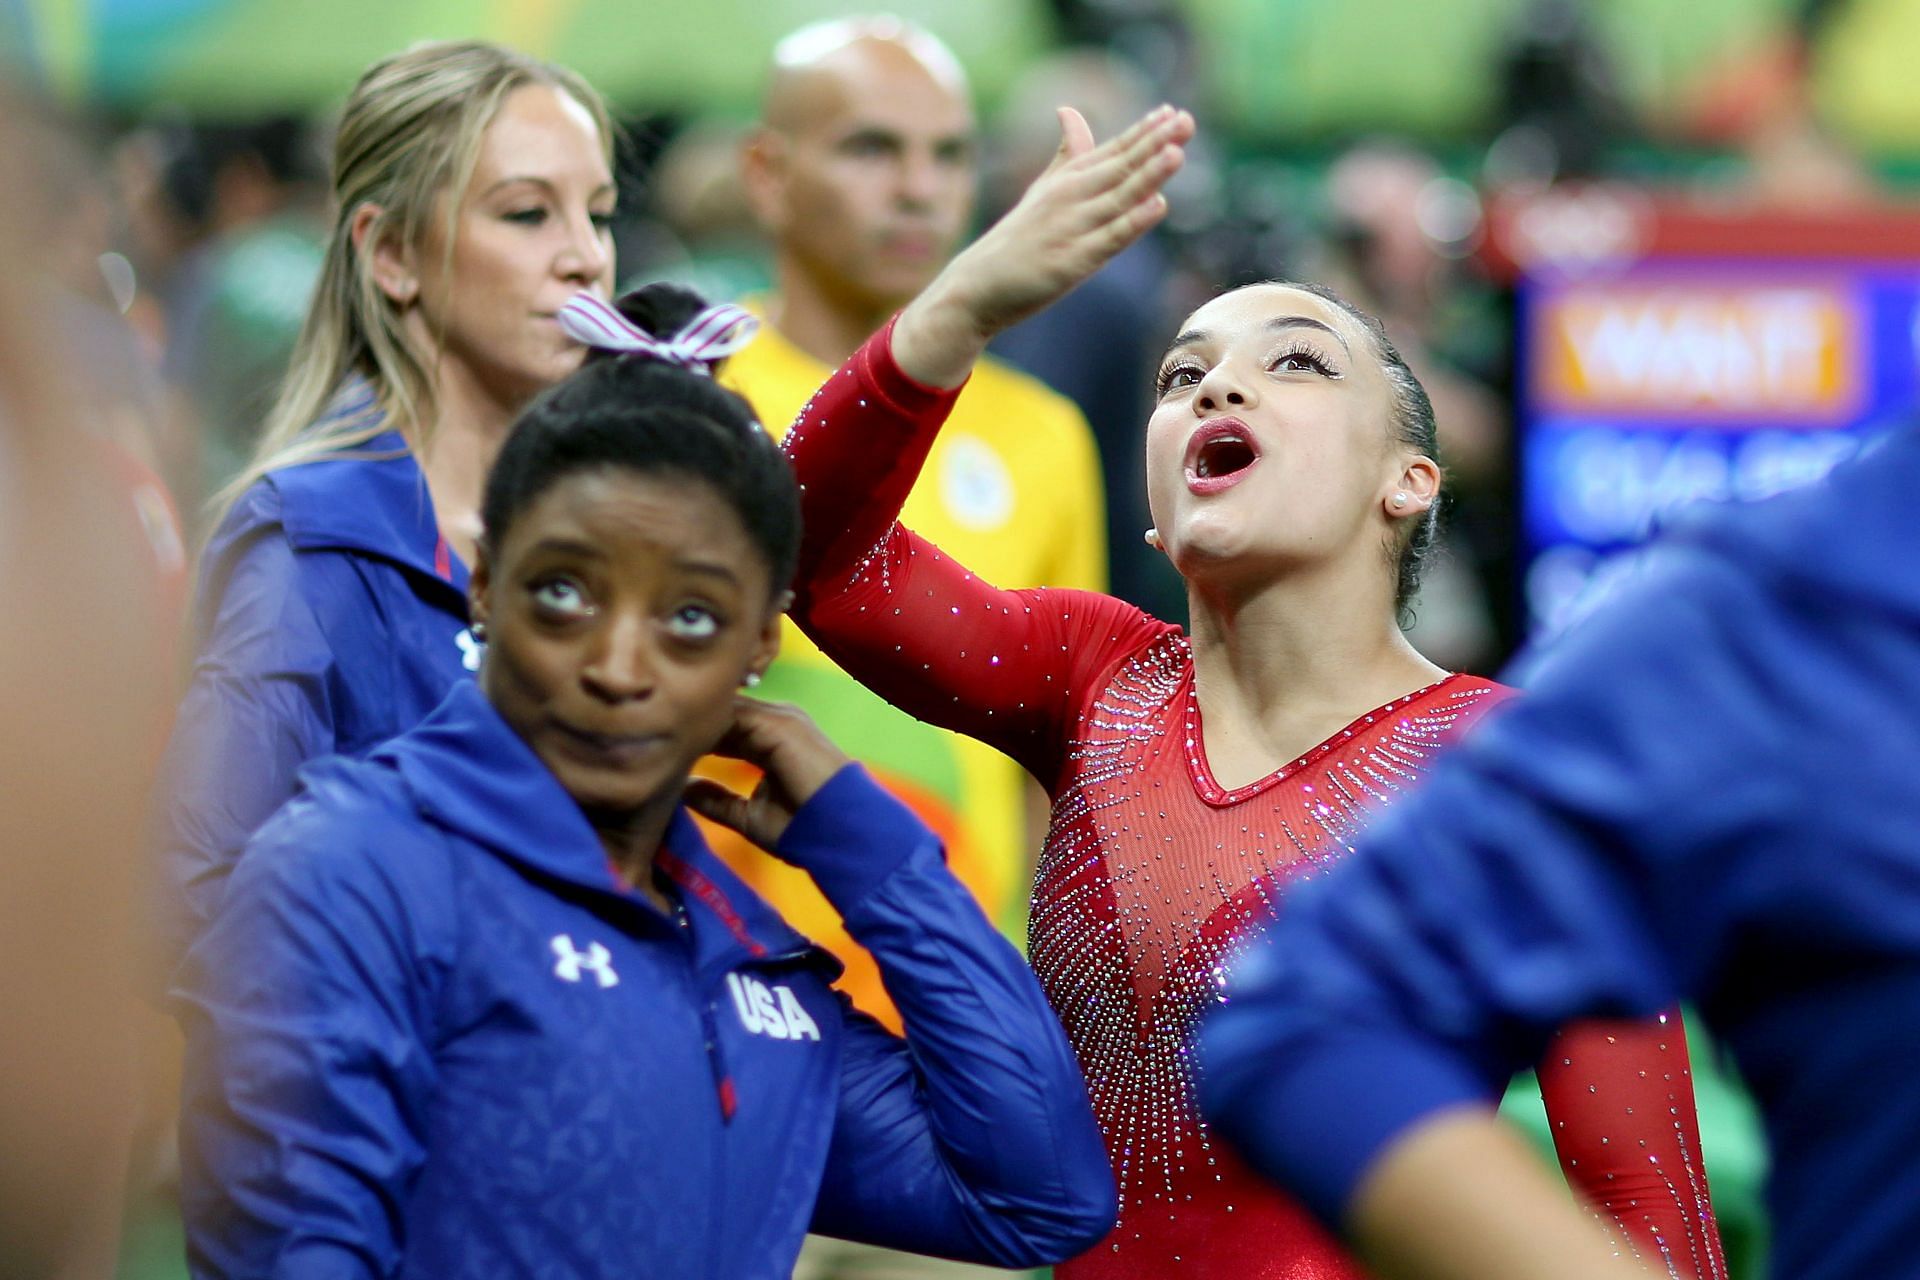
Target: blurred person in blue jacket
474,190
483,1002
1709,794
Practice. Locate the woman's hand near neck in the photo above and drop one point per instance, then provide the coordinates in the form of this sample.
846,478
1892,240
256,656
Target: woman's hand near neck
796,760
457,450
1280,668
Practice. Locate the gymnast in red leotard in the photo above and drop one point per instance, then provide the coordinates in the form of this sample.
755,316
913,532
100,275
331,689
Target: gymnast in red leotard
1196,774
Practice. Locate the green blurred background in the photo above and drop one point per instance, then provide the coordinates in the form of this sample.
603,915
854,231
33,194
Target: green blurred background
1274,69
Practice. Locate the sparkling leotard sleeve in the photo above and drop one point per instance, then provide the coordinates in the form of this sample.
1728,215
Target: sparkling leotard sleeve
1007,667
1619,1098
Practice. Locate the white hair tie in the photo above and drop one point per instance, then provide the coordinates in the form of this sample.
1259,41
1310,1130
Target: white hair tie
718,331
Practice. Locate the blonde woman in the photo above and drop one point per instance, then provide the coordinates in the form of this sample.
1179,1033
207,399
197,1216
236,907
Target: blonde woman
474,188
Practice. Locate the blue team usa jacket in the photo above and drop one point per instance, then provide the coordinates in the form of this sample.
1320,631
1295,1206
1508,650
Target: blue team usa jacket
330,616
430,1034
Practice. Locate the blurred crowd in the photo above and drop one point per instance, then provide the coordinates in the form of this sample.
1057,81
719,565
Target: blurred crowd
189,245
173,256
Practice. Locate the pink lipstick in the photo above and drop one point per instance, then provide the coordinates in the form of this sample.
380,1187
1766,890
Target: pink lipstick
1219,455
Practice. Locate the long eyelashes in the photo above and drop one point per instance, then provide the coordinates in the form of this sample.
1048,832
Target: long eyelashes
1297,357
1164,380
1303,353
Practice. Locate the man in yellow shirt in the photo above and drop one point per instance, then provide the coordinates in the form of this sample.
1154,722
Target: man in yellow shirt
862,173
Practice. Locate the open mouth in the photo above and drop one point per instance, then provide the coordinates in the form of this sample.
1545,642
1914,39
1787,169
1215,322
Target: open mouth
1219,454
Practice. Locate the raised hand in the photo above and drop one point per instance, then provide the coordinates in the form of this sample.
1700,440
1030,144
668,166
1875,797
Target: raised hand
1092,202
795,756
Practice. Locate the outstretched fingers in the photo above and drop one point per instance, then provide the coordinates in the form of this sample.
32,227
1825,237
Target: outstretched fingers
1117,198
1136,192
1135,222
1072,219
1142,184
1140,134
1125,210
1113,162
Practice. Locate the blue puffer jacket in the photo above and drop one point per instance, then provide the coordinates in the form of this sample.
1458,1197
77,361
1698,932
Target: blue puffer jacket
429,1034
330,616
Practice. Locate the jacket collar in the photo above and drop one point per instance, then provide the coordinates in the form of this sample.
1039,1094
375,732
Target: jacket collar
373,499
469,772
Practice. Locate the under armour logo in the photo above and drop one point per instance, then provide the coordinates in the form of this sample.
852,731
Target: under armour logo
470,649
569,961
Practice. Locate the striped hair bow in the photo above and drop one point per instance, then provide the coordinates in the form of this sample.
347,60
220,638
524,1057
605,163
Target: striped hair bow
718,331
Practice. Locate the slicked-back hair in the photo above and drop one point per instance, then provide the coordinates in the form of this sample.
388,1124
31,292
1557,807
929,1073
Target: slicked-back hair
1413,425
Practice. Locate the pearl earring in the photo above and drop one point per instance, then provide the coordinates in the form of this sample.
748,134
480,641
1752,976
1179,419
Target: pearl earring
1152,538
753,680
1399,499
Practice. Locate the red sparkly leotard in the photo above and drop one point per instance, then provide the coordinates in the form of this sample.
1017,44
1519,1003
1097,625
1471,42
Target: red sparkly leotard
1151,869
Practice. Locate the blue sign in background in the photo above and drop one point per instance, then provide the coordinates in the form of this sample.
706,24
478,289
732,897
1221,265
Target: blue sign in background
1596,485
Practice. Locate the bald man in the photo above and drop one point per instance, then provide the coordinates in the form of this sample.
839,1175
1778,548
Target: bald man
861,172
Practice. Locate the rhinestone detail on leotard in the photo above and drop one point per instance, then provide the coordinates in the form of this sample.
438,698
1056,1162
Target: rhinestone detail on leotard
1150,872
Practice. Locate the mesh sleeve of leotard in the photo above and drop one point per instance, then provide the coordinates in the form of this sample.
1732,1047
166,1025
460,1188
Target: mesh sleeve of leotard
1011,668
1619,1098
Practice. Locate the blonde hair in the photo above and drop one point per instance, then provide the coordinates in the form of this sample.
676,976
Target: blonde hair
410,134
